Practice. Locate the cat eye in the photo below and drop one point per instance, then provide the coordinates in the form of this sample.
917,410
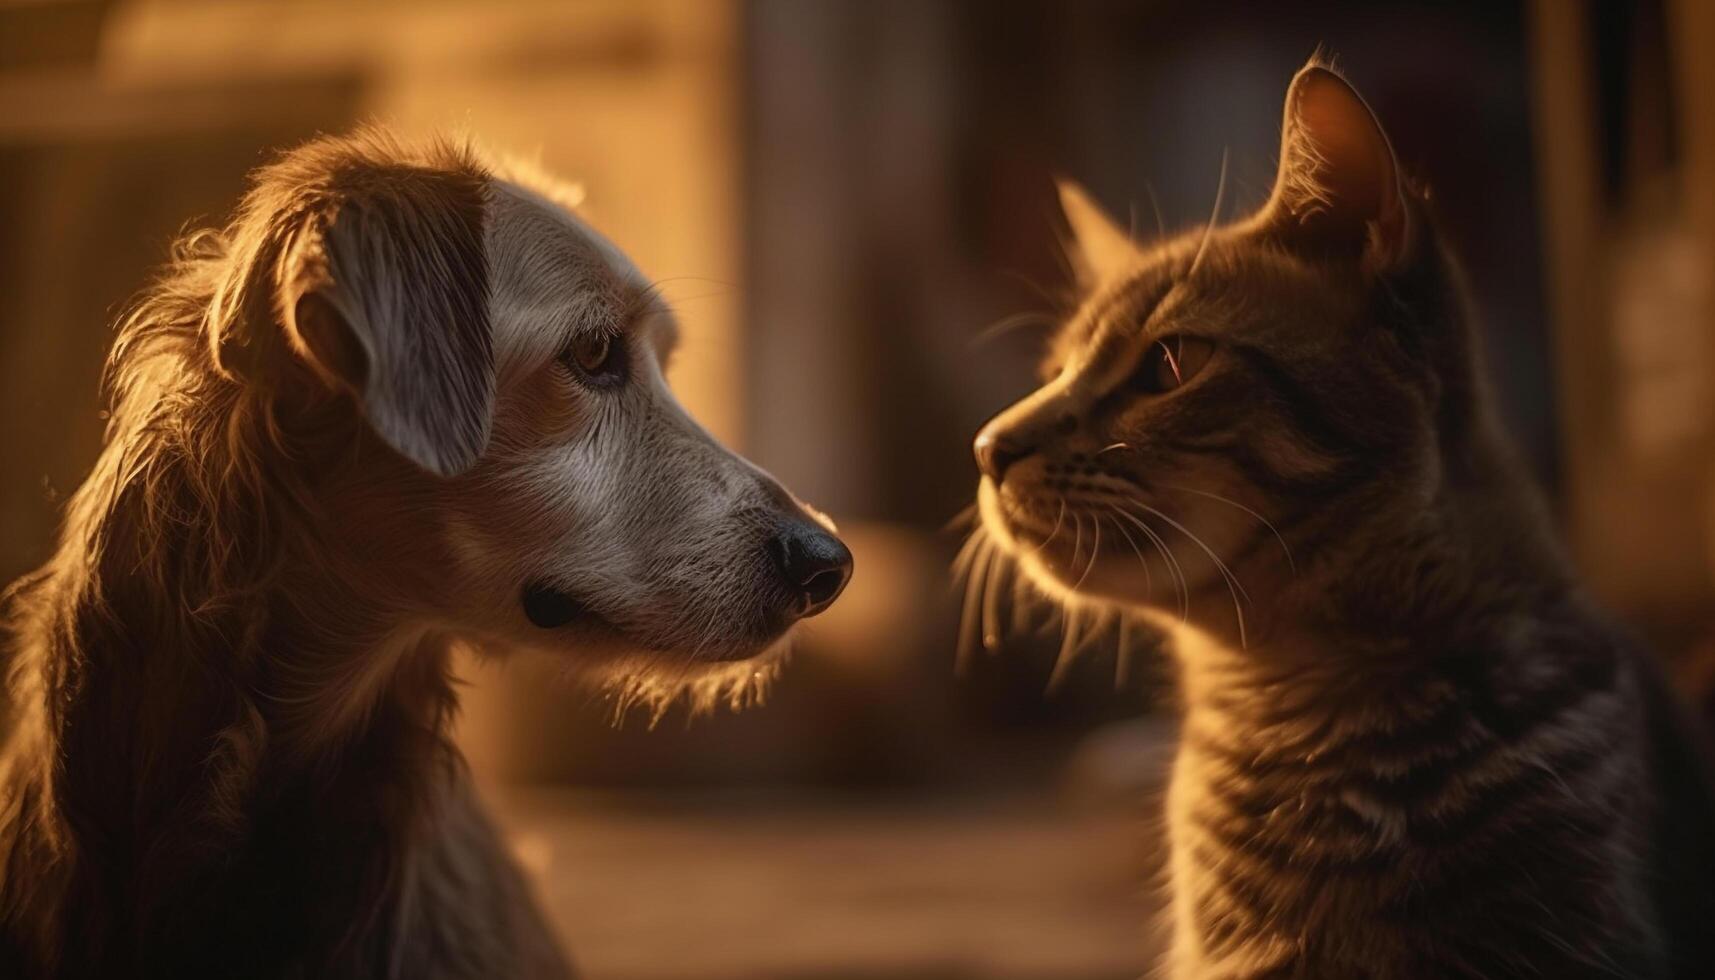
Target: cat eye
597,358
1172,361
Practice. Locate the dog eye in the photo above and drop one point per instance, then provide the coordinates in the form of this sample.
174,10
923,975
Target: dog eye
1172,361
597,357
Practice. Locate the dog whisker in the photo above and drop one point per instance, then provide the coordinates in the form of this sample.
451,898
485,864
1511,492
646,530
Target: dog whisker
655,689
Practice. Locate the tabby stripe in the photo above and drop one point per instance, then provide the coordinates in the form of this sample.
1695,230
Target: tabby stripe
1248,796
1594,674
1257,790
1470,725
1281,849
1307,411
1573,743
1219,931
1248,904
1446,734
1570,840
1260,470
1498,810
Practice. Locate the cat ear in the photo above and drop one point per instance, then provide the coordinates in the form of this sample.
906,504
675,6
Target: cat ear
385,294
1338,189
1101,248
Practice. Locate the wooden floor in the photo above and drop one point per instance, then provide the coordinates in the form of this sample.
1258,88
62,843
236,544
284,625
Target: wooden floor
802,887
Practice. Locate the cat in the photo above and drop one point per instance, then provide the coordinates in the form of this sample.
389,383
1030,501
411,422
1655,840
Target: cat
1411,746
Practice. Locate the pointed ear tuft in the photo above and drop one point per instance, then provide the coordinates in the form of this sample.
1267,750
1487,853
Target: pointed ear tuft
1101,248
385,294
1338,190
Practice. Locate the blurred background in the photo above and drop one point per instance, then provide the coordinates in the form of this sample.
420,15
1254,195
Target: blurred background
843,197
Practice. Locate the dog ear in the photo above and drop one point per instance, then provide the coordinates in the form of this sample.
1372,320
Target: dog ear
385,294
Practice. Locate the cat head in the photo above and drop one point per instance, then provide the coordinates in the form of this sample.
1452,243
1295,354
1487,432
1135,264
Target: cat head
1231,405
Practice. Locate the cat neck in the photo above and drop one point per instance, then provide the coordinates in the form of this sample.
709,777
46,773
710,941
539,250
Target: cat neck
1474,566
1304,690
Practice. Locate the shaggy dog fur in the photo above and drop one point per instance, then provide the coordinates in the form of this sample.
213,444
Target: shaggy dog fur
345,432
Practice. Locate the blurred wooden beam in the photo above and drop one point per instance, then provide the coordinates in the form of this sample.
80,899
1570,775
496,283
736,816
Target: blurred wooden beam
1691,34
54,34
1568,172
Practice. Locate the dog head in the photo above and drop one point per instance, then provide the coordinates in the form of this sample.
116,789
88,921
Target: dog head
506,455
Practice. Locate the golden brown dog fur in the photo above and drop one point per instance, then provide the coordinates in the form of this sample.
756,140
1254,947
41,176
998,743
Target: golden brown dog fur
223,736
174,675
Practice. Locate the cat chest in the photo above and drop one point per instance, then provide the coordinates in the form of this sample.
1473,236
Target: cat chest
1277,855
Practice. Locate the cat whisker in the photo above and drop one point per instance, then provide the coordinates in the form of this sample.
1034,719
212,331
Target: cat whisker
966,517
1022,603
1058,520
1234,587
971,607
1077,538
1122,653
1008,324
1181,585
1042,292
1198,541
998,567
1155,206
1233,503
1214,218
1109,449
1095,550
1148,586
962,561
1068,650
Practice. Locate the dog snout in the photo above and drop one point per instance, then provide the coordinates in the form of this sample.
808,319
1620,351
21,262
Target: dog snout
814,565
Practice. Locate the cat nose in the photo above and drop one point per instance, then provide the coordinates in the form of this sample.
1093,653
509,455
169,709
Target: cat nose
995,453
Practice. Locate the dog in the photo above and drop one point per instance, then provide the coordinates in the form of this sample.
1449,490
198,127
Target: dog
405,399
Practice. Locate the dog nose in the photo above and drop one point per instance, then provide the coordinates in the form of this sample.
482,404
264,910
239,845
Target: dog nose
815,564
995,453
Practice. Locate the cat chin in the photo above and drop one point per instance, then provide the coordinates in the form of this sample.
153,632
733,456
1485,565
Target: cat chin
1133,577
1016,537
994,521
1186,631
1108,583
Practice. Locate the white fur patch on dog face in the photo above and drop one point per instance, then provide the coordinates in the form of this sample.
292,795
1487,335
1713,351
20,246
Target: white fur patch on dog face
598,497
